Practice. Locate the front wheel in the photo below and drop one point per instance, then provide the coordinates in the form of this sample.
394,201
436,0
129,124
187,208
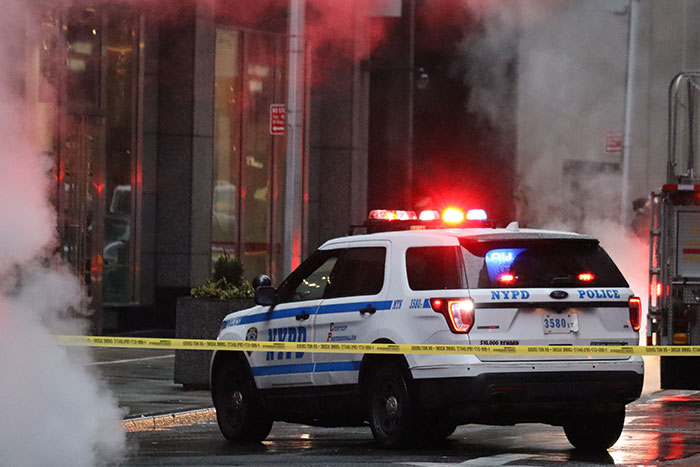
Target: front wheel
239,413
392,415
596,431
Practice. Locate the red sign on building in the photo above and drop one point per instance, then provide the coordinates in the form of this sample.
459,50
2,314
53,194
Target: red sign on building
278,119
613,141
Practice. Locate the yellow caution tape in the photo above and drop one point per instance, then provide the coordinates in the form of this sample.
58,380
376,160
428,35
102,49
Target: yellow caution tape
333,347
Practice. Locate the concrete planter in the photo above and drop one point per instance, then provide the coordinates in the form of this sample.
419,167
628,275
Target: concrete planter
199,318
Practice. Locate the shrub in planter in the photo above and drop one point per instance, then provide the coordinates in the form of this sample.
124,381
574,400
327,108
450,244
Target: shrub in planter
199,317
226,281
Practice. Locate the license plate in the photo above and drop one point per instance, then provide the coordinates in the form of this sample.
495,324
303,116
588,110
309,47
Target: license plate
560,324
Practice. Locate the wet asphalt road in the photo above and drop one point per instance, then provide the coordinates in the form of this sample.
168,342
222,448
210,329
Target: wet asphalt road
662,428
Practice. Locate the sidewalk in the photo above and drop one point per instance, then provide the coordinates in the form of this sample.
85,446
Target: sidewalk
142,382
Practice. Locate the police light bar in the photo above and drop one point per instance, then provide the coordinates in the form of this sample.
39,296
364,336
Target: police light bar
382,220
392,215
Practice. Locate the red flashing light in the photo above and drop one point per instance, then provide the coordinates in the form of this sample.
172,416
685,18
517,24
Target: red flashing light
392,215
452,215
586,277
506,278
458,312
635,304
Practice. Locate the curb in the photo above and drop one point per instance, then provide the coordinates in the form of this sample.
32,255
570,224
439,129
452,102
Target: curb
165,421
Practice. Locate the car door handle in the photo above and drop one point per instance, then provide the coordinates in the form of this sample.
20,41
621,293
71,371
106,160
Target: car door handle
368,309
302,316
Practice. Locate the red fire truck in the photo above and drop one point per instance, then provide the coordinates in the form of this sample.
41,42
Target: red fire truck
674,269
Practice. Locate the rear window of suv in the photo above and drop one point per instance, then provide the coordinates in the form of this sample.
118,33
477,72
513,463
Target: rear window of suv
540,263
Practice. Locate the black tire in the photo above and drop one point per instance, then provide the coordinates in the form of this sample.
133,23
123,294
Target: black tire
239,413
392,415
596,431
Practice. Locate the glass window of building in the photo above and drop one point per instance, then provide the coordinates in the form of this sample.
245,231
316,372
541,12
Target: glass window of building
247,206
86,84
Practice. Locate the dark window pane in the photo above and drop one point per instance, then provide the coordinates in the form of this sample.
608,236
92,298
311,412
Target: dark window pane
120,34
542,263
83,59
362,272
433,268
310,279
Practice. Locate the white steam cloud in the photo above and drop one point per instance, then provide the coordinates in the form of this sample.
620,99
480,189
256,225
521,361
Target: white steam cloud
53,410
570,85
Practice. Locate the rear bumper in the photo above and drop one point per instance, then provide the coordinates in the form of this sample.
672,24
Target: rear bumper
547,397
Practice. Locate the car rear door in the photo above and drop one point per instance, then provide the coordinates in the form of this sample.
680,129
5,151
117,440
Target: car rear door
555,292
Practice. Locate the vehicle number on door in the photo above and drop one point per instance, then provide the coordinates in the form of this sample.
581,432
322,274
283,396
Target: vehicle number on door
560,324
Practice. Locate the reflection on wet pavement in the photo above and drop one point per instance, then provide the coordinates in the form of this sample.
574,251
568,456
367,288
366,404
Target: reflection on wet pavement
660,429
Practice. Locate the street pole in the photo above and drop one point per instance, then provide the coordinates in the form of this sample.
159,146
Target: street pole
629,111
293,218
408,198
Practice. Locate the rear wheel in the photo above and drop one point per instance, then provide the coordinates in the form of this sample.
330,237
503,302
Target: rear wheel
392,415
596,431
239,413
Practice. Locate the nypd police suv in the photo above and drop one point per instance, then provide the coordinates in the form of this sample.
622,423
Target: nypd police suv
404,283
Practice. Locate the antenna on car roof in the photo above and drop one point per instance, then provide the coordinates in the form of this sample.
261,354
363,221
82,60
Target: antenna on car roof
513,227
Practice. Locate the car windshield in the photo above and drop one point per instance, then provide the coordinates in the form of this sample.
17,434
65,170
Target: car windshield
539,263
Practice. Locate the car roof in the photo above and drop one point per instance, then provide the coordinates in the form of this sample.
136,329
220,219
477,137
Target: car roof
452,236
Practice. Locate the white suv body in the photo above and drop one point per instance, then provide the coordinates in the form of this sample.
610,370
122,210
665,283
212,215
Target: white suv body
526,287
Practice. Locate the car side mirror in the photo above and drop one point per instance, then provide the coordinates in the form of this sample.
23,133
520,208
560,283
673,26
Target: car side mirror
265,295
261,279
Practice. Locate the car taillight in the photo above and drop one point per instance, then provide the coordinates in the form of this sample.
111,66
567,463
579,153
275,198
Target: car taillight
635,304
459,312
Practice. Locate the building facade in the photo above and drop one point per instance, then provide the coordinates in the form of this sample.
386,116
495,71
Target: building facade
158,120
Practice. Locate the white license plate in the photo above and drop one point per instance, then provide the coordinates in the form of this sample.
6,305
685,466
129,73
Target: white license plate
560,324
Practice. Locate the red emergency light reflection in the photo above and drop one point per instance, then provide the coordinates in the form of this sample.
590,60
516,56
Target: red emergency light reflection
586,277
506,278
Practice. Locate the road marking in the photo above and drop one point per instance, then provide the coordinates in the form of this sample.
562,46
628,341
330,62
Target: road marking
501,459
129,360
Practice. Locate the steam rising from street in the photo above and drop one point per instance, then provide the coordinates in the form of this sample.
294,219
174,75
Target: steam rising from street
585,203
53,410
